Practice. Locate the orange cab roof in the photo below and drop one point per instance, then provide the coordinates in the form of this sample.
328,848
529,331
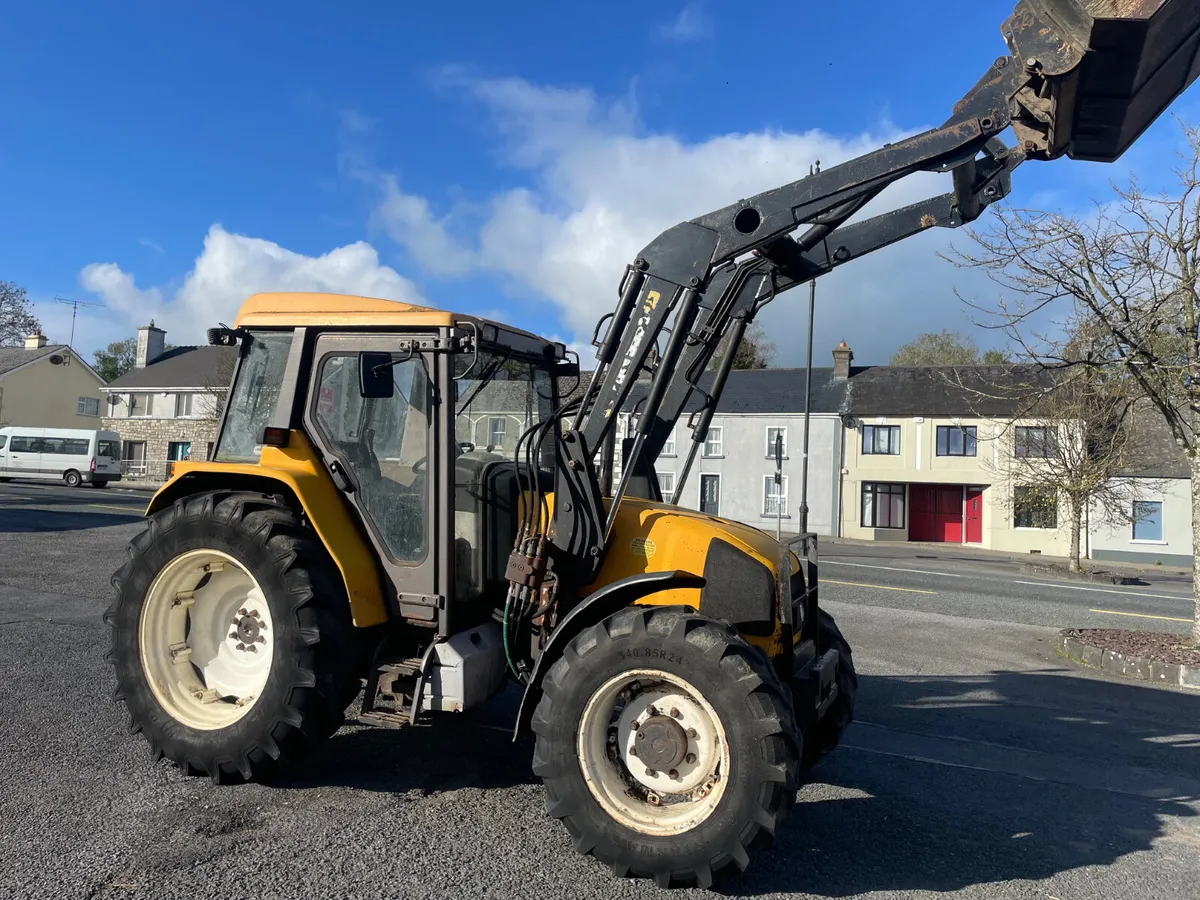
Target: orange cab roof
296,309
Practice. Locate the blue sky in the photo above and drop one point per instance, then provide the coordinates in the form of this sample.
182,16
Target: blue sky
506,159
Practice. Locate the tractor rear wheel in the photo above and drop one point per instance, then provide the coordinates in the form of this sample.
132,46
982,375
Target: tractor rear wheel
667,745
826,733
231,637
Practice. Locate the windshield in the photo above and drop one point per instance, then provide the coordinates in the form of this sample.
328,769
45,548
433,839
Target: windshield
254,395
501,397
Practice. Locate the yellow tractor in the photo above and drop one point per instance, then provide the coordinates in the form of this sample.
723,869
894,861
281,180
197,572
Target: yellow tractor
420,506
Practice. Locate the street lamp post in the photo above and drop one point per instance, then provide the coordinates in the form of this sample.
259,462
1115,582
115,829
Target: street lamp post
812,300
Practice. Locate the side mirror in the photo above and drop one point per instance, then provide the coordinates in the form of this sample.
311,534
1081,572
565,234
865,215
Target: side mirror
375,375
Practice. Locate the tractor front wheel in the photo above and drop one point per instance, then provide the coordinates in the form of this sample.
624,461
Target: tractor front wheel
231,637
826,733
667,745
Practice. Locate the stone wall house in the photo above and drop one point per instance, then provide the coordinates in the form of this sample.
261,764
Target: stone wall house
167,407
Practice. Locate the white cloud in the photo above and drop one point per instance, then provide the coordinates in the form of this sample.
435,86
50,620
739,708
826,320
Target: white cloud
600,188
408,221
692,24
151,245
229,269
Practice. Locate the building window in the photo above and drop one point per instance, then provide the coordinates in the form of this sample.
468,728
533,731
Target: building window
133,457
179,450
714,443
88,406
1147,520
183,406
1036,441
881,440
774,497
883,505
776,434
668,448
956,440
666,486
140,404
496,429
1034,507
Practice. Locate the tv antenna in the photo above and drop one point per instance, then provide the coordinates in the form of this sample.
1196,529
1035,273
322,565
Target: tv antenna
75,304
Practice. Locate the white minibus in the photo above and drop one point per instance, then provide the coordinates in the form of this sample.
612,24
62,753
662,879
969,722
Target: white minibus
71,455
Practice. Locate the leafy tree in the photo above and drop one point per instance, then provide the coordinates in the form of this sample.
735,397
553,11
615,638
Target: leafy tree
754,351
116,359
16,315
945,348
1124,280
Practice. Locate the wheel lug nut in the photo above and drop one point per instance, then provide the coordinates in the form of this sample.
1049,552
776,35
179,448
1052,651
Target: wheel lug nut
673,774
261,639
692,733
252,648
676,714
633,751
242,611
233,635
254,613
635,725
241,646
690,759
650,710
651,772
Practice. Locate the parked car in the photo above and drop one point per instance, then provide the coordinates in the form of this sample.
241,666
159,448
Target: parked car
72,455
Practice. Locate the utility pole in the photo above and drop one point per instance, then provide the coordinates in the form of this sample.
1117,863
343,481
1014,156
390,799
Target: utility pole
779,485
812,302
75,304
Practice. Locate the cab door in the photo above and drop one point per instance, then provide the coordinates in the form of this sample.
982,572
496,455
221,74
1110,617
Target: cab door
380,452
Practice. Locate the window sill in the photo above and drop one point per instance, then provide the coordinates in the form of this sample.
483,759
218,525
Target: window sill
770,518
706,456
1146,541
1035,528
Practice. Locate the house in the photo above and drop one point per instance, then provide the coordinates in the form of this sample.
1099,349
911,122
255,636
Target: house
942,454
44,385
1155,523
733,474
167,407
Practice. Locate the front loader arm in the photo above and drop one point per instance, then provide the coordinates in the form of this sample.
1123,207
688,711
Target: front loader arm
704,279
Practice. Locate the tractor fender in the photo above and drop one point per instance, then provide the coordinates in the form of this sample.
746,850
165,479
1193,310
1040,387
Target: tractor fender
591,611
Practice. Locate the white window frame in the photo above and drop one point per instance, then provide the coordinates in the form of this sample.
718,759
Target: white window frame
771,443
700,491
768,485
190,403
89,401
719,431
147,413
503,420
668,495
668,448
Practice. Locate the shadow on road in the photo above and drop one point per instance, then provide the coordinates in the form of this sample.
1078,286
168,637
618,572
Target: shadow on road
25,521
957,782
443,753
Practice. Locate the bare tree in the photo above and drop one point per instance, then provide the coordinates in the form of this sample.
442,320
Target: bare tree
754,352
1070,441
16,315
1123,281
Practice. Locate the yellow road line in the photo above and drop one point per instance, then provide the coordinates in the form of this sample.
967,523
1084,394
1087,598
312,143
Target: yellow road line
877,587
1113,612
122,508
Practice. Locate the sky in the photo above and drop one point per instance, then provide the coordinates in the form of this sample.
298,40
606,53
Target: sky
165,161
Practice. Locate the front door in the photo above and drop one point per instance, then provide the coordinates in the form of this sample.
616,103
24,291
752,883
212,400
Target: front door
710,494
974,515
380,451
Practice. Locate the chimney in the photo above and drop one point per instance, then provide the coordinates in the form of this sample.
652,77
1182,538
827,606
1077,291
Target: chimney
35,341
842,357
150,343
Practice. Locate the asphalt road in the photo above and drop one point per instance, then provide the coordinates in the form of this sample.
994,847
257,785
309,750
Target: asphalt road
979,765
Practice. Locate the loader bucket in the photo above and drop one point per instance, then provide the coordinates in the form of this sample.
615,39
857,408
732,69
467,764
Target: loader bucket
1113,66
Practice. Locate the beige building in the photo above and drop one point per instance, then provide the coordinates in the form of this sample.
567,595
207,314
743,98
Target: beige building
45,385
931,457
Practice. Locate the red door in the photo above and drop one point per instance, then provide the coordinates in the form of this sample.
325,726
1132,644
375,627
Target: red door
922,524
949,513
974,515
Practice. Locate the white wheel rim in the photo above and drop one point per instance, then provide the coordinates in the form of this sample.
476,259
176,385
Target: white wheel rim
618,717
206,639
